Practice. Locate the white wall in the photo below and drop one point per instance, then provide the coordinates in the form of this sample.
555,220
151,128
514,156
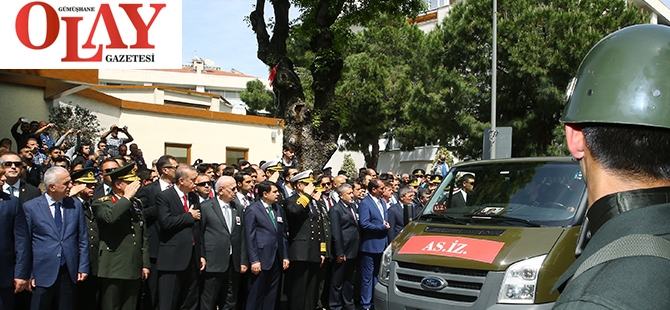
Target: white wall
209,138
20,101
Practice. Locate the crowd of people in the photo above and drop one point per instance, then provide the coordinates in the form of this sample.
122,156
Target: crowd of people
103,230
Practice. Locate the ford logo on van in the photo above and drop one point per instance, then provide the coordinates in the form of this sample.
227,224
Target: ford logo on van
433,283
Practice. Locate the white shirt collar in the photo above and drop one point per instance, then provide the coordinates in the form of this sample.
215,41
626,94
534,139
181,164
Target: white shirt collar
164,185
179,192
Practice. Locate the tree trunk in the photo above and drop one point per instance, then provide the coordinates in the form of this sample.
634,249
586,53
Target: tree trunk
372,156
313,131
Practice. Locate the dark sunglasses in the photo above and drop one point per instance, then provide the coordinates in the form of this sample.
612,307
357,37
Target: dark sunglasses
108,170
325,184
202,183
8,164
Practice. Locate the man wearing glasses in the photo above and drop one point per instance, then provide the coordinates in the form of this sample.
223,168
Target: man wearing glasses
14,185
465,187
203,187
166,166
105,188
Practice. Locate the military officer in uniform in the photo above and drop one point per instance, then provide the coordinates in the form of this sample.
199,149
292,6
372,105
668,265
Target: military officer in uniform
124,250
420,176
307,245
84,187
617,125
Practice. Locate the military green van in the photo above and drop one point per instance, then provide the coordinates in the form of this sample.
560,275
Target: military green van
499,244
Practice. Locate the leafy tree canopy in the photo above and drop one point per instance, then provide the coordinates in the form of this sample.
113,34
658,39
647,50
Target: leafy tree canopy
309,54
258,98
75,118
540,46
383,67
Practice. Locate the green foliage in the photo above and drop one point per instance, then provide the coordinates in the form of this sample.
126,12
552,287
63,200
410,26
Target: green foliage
449,159
76,118
349,166
383,69
540,46
257,97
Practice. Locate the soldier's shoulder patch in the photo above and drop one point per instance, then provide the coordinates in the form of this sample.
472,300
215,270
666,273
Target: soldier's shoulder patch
104,198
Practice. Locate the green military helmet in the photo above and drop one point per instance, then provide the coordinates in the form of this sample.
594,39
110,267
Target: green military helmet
624,79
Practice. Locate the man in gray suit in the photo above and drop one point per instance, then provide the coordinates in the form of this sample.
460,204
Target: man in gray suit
224,247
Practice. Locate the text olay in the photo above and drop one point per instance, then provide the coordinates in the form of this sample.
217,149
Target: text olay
104,13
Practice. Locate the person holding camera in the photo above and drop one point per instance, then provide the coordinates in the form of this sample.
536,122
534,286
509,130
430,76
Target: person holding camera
113,140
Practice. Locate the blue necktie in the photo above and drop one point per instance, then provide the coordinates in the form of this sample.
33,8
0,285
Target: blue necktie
58,218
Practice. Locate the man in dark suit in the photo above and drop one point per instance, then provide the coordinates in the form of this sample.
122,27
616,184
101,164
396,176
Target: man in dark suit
88,291
465,187
374,226
267,246
166,166
396,212
14,185
60,242
346,240
224,246
245,185
124,252
14,239
307,245
14,170
179,256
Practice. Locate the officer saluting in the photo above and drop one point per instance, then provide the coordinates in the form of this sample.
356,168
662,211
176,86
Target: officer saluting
84,182
124,250
307,245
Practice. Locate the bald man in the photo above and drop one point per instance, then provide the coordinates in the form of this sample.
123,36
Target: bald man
224,246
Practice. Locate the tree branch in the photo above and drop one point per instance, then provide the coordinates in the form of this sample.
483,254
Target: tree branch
257,19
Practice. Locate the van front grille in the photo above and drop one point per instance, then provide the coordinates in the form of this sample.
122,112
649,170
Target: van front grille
463,285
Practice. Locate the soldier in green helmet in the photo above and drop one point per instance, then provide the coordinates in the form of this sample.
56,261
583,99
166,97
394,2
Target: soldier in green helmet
124,250
617,121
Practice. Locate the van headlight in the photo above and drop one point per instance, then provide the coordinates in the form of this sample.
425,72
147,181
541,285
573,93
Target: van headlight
520,282
385,267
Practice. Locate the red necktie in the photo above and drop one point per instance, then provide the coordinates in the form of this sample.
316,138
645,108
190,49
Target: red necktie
330,204
186,209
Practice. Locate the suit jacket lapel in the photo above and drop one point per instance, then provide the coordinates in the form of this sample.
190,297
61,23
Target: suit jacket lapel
267,215
179,200
219,213
68,211
233,215
44,206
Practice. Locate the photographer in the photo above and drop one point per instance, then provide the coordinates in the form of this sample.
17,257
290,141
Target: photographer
113,141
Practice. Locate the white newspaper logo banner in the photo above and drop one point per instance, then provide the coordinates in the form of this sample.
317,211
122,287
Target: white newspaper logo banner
85,34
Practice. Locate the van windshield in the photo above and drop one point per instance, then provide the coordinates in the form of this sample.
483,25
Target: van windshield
510,194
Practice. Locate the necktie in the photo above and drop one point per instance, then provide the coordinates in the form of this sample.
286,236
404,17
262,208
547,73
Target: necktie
58,218
228,217
109,190
330,203
185,204
381,208
272,216
353,214
186,209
